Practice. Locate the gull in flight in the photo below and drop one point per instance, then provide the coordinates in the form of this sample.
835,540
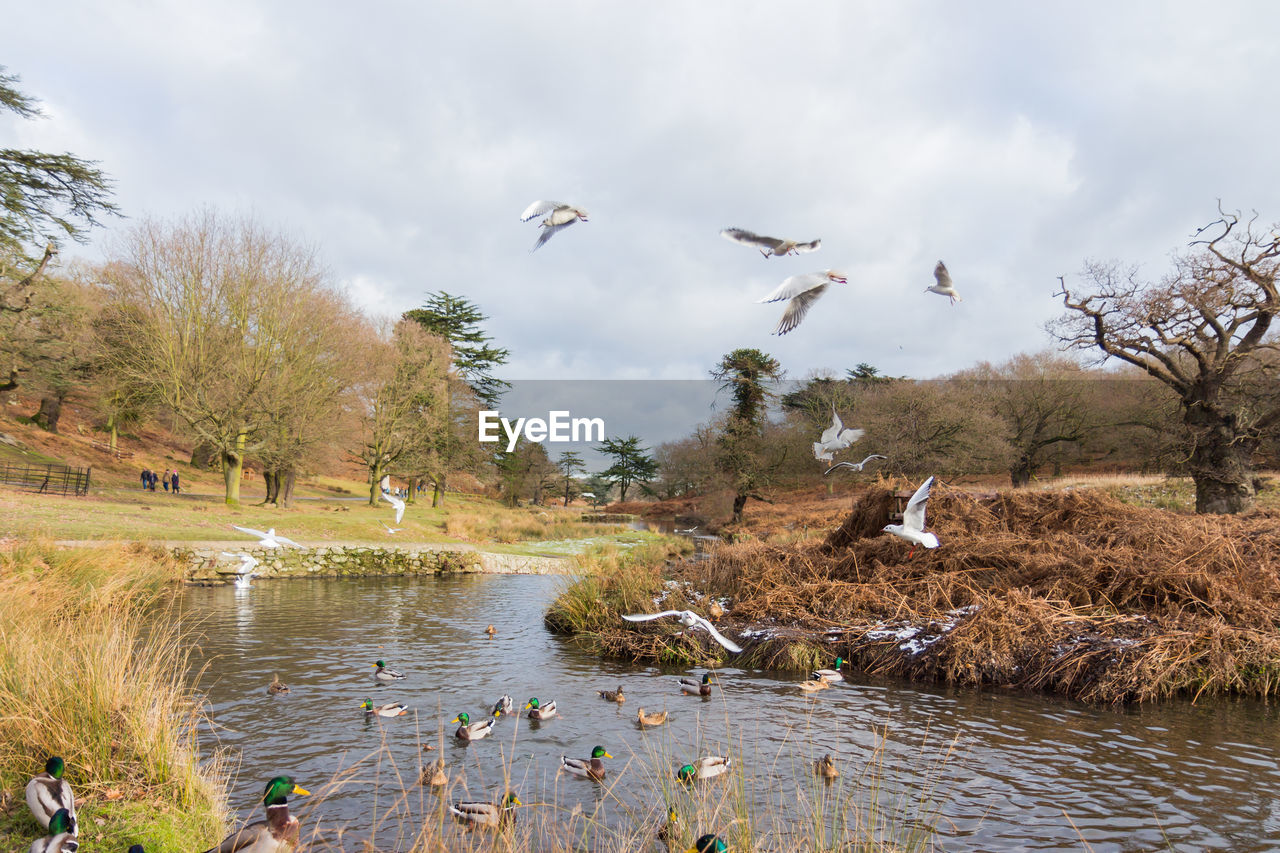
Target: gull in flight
396,502
769,245
268,539
561,216
944,285
802,291
912,526
390,529
853,466
690,620
247,565
835,437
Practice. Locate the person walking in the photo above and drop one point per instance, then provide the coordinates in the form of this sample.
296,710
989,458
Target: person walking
173,478
165,480
146,478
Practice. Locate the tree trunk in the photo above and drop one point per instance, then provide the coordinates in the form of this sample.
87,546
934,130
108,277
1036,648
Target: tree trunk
375,483
1221,462
232,466
1020,472
272,479
437,491
413,490
284,487
50,410
114,439
739,504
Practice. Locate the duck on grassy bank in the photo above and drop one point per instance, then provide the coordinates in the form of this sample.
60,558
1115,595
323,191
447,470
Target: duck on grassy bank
61,837
279,832
48,792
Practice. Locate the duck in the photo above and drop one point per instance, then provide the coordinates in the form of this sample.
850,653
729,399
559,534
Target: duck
278,833
540,712
391,709
655,719
276,686
697,688
468,730
826,767
487,814
48,792
813,684
385,674
670,828
612,695
591,768
433,774
137,848
708,844
491,630
503,706
61,837
829,674
707,767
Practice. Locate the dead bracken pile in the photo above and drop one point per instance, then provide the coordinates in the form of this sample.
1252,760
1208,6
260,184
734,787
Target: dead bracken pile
1071,592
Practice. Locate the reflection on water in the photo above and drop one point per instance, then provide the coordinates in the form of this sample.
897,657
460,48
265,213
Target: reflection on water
1027,772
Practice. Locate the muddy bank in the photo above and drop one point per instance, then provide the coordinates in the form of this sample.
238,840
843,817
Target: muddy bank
1069,592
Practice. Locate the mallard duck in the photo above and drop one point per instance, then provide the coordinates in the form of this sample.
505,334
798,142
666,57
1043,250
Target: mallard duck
540,712
277,834
707,767
433,774
391,709
655,719
137,848
814,684
591,768
697,688
612,695
503,706
829,674
48,791
487,814
669,828
468,730
276,686
384,674
491,630
61,837
708,844
826,767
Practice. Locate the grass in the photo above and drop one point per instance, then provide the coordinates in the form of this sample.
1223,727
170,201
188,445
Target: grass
79,679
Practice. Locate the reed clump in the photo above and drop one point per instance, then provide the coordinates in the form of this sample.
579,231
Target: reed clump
81,678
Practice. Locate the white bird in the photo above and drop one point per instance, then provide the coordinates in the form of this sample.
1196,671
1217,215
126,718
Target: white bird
912,526
561,216
834,438
396,502
803,291
853,466
769,245
686,531
268,539
944,285
690,620
391,529
247,562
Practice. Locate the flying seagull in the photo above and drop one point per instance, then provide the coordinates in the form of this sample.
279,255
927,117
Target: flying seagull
244,576
268,539
853,466
944,285
835,437
396,502
769,245
390,529
690,620
912,526
561,216
802,291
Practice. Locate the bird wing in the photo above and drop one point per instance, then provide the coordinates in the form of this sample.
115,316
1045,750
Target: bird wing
849,436
913,515
645,617
284,540
822,454
245,839
942,276
250,531
720,638
750,238
869,458
548,232
538,208
829,434
795,285
797,308
811,246
842,465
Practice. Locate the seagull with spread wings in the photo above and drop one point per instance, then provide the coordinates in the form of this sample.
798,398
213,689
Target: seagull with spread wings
912,526
396,502
801,291
944,285
560,216
269,539
853,466
775,246
690,620
834,438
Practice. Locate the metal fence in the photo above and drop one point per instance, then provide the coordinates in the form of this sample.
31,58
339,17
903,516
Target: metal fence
46,479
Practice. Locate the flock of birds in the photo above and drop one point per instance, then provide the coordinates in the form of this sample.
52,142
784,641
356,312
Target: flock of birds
800,291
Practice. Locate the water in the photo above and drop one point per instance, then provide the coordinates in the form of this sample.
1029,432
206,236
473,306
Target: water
1027,772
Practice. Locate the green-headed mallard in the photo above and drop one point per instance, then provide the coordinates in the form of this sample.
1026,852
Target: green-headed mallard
468,730
708,844
433,774
540,712
384,674
391,709
826,767
278,833
655,719
276,686
48,791
697,688
707,767
591,768
612,695
829,674
61,837
487,814
503,706
669,828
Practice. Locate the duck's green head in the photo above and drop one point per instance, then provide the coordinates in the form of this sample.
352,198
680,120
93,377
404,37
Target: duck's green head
380,665
532,703
599,752
706,678
367,705
686,774
839,663
55,767
137,848
463,718
62,822
279,788
708,844
510,801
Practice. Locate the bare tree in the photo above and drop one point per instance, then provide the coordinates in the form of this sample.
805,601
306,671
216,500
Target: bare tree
1201,331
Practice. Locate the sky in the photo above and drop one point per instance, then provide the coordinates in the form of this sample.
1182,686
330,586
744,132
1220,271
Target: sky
403,140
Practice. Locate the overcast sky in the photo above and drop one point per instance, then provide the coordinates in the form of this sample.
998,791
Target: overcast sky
404,139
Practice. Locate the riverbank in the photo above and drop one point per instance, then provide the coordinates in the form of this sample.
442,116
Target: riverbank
1074,593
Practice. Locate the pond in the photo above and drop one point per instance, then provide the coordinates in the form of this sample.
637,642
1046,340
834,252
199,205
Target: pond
989,771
